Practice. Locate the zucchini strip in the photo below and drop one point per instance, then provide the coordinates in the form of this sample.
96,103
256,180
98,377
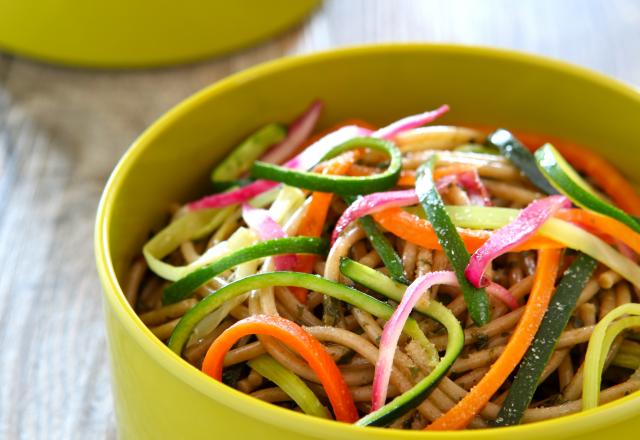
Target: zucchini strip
197,224
177,232
291,384
236,163
338,184
388,255
520,156
555,320
599,344
279,246
384,285
453,246
568,182
338,291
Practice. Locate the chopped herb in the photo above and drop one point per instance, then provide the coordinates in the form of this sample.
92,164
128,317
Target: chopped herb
482,340
231,375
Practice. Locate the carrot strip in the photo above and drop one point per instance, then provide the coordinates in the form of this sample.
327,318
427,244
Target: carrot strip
595,166
314,219
297,339
465,410
419,231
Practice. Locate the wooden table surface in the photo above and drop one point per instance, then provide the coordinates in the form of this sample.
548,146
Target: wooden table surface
62,131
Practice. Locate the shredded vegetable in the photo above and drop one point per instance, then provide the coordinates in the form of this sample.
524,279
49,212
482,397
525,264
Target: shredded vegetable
381,244
470,181
302,342
410,399
316,214
279,246
452,244
372,203
555,320
569,182
512,149
376,202
267,228
295,279
239,160
393,327
603,173
528,221
404,124
416,230
603,335
463,412
291,384
305,160
182,229
565,233
338,184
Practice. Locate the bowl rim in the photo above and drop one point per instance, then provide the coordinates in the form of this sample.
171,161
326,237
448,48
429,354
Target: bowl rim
573,424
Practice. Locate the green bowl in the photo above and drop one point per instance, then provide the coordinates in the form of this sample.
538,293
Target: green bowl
157,394
140,33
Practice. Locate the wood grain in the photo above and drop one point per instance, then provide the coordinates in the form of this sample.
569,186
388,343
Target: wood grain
62,131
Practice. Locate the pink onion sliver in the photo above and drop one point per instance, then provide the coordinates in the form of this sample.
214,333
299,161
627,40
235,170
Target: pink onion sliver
395,324
267,228
404,124
626,251
445,181
233,197
371,203
380,201
393,329
508,237
298,132
503,294
471,183
477,192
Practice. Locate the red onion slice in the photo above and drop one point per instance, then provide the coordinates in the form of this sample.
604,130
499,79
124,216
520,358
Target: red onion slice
267,228
395,324
404,124
508,237
371,203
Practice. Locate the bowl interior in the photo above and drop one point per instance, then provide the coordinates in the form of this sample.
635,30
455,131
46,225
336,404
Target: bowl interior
171,160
